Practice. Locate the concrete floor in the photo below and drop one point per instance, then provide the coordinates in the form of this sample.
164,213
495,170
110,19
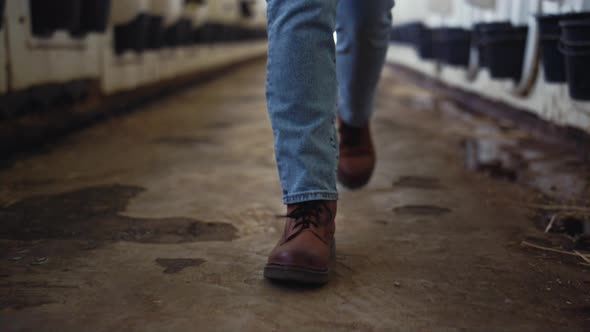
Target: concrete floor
161,220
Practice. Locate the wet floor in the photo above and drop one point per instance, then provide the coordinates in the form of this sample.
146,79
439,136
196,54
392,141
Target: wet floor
161,220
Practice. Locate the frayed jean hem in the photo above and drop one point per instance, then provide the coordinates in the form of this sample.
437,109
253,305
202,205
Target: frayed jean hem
310,196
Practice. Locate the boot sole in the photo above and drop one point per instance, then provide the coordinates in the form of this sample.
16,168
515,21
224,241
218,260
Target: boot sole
295,274
299,274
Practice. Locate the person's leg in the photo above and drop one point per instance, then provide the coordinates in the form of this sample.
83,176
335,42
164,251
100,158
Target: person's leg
301,96
301,100
363,29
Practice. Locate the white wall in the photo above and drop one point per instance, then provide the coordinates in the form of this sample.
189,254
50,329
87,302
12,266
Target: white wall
549,101
35,61
61,58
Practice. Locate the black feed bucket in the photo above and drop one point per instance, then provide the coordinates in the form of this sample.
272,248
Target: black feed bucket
172,35
576,30
577,63
211,33
396,35
408,33
550,31
133,35
49,16
425,44
575,46
229,33
478,37
413,32
95,15
199,35
453,46
178,34
1,13
155,34
504,51
417,35
186,31
261,33
553,62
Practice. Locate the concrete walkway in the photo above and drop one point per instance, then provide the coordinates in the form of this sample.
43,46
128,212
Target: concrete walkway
161,220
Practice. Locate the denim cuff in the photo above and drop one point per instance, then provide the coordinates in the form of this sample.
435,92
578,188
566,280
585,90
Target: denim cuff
310,196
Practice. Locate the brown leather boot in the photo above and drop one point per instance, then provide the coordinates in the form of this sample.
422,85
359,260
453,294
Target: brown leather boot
307,244
357,155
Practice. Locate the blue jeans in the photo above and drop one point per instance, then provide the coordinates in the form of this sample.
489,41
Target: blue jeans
309,78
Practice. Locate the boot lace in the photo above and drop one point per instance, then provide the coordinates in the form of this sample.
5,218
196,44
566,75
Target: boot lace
308,214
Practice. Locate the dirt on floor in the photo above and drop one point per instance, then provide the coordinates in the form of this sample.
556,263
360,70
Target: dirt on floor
161,220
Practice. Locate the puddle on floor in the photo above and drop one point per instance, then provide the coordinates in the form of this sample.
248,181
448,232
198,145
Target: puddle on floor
418,182
556,171
94,214
176,265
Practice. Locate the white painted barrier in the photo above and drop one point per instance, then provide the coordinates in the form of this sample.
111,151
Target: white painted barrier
36,61
547,100
59,58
